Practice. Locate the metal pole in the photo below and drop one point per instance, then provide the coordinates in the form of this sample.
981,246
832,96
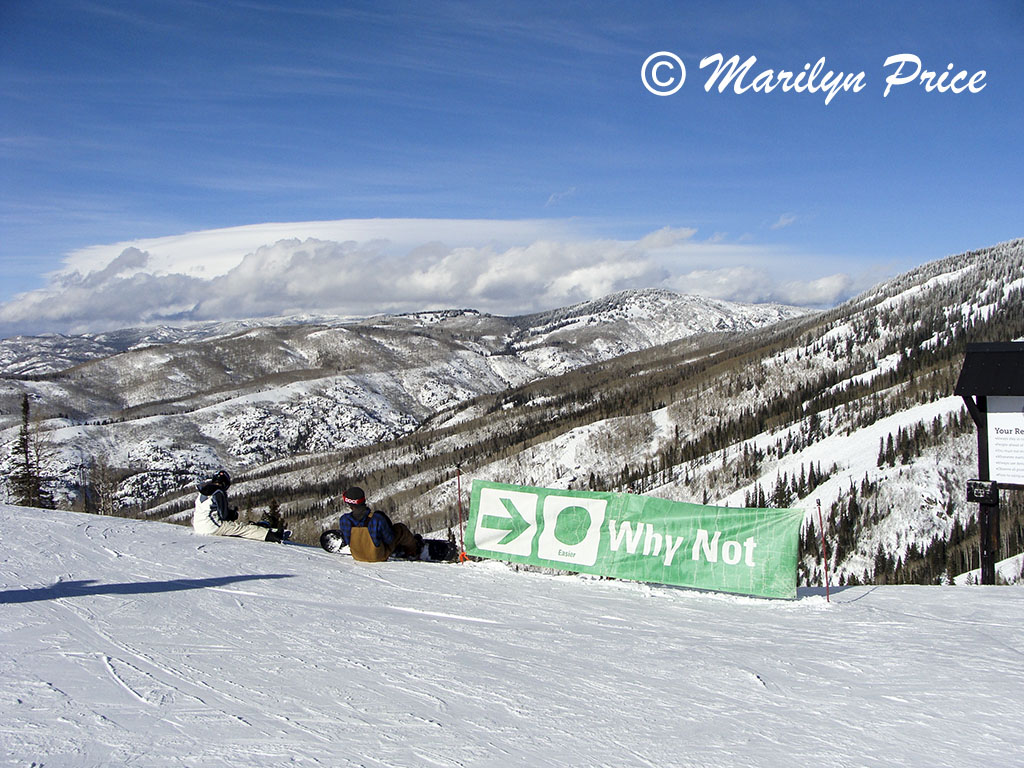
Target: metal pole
462,545
988,513
988,527
824,553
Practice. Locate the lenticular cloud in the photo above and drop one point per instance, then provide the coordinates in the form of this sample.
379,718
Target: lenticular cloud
505,268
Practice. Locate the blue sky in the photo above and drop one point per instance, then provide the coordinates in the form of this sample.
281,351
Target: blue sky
126,121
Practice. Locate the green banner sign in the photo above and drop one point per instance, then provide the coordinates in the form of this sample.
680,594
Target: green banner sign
748,551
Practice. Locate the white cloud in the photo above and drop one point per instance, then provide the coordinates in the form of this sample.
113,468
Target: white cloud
784,221
819,292
214,251
758,285
557,197
666,237
364,267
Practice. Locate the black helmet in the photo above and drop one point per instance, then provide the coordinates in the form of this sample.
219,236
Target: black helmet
222,478
354,496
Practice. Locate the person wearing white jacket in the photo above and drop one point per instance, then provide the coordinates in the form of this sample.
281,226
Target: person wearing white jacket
213,517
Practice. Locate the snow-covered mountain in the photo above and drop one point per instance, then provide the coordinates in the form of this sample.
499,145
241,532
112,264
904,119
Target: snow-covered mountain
160,405
853,407
137,643
557,341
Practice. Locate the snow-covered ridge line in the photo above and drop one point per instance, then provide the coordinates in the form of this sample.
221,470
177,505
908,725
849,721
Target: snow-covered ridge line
674,314
162,403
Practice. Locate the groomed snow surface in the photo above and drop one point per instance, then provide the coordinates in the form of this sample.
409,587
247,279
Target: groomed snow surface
137,643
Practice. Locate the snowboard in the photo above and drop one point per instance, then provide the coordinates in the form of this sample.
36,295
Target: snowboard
331,541
433,551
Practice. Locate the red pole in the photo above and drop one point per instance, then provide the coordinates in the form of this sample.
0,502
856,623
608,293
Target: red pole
462,545
824,553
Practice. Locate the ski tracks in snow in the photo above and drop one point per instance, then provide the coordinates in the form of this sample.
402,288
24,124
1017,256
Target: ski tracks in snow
129,695
149,651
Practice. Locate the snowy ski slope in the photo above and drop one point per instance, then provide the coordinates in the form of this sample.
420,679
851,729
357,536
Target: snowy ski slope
136,643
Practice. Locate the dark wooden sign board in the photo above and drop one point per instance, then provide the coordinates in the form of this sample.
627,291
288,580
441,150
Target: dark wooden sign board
992,370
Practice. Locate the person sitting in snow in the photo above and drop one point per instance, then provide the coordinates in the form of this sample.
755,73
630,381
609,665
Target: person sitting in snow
371,536
213,517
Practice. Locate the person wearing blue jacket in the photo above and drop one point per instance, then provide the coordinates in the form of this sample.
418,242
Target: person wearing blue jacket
371,536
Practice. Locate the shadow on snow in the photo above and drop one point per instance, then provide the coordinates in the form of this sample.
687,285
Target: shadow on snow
90,587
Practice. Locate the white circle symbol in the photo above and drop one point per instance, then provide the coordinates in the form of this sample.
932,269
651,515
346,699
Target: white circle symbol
658,73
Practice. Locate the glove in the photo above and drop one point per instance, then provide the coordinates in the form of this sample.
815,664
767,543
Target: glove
231,514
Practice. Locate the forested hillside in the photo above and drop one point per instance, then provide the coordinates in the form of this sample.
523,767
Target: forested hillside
852,407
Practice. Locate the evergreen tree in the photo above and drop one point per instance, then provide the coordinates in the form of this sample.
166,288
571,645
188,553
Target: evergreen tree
26,482
781,497
273,514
